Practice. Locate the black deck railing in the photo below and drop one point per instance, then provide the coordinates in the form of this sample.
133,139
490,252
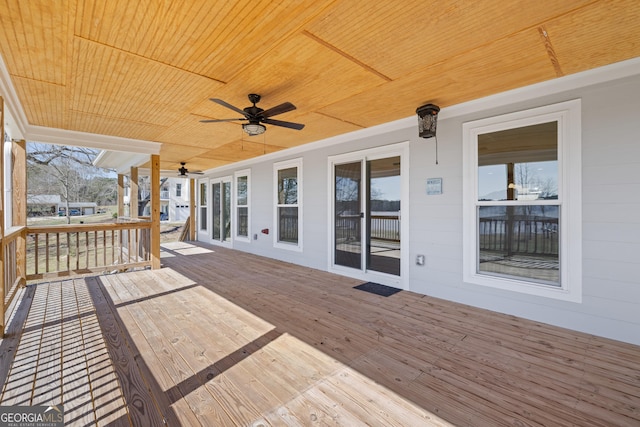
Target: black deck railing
382,227
520,234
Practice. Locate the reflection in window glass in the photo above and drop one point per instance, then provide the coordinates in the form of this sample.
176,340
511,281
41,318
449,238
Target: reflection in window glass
216,204
347,222
288,225
383,215
288,186
288,220
242,205
519,164
519,237
242,190
226,211
521,241
203,206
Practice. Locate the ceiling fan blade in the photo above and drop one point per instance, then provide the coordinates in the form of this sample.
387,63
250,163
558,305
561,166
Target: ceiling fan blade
278,109
221,120
290,125
187,174
229,106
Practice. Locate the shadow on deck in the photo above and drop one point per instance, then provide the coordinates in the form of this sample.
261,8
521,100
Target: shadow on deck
219,337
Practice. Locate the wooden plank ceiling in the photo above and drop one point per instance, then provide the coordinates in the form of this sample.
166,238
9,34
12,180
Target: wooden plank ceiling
146,69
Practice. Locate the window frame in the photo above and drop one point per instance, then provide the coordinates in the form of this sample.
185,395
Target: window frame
236,206
203,211
178,189
288,164
568,116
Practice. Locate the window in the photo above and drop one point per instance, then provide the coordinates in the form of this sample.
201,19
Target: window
522,220
288,186
203,206
178,190
242,204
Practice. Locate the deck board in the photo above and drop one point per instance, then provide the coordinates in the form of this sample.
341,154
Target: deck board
226,338
76,385
18,388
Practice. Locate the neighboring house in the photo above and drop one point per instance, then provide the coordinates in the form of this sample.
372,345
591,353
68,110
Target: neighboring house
52,205
174,200
79,208
43,204
526,204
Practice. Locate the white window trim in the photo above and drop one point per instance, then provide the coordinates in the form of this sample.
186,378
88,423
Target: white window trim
236,175
297,163
568,115
203,233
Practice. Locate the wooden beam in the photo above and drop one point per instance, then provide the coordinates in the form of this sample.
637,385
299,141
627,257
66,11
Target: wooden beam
155,211
133,193
19,201
120,195
192,209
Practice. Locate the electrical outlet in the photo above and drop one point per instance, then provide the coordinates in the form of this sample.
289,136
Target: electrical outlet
420,260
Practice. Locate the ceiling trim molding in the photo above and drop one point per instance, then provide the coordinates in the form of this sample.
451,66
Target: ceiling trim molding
91,140
120,161
604,74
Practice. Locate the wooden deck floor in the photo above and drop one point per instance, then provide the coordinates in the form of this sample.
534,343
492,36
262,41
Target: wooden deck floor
223,338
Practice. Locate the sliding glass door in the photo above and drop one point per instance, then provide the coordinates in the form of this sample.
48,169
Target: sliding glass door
367,194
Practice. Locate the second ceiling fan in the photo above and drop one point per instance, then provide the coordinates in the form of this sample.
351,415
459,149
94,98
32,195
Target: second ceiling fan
257,116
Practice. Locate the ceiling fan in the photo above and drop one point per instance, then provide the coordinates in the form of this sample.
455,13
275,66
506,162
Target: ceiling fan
183,172
257,116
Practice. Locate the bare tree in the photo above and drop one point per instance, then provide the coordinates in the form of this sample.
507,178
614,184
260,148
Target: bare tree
58,169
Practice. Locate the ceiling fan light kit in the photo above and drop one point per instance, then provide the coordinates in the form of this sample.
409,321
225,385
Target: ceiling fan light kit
253,129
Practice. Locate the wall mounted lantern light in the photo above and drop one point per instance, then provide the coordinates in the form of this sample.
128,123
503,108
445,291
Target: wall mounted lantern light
427,120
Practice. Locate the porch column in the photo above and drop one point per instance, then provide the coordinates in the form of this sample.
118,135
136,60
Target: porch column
155,211
120,195
192,210
133,193
19,202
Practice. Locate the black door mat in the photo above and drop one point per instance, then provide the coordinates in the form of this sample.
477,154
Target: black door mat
378,289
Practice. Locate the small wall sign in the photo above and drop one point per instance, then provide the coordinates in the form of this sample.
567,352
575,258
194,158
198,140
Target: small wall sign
434,186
